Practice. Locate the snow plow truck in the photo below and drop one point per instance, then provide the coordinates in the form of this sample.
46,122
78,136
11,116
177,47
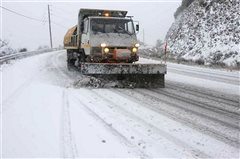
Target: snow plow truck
104,43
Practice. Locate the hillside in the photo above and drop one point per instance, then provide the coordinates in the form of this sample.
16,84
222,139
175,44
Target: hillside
207,32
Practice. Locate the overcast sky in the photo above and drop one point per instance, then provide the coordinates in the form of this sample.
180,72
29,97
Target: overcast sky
154,17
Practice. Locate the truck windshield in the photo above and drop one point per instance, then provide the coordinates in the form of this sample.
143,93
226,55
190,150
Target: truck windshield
124,26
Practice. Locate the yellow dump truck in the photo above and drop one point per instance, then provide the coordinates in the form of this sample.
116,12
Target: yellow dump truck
104,42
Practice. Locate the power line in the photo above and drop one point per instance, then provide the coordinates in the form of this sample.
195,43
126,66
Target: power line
59,17
39,20
43,20
63,16
60,25
31,18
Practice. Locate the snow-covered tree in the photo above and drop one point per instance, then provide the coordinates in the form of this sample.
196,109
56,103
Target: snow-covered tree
5,49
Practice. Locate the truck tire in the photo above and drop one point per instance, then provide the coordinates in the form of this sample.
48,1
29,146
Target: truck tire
70,65
70,60
82,56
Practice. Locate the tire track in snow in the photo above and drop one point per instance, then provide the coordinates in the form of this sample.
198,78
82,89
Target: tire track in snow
109,127
193,107
185,148
214,96
201,106
69,146
175,116
195,99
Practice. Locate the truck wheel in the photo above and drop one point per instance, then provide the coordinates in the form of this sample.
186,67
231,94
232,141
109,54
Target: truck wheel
82,57
70,64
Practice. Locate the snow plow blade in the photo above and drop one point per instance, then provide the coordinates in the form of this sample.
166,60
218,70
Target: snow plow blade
141,75
122,68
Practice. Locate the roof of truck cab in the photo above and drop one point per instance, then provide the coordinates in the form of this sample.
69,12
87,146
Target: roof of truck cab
100,12
97,17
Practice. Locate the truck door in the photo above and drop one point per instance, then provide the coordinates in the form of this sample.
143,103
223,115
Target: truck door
85,37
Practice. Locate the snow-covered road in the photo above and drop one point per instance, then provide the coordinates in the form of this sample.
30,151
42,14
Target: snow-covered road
45,114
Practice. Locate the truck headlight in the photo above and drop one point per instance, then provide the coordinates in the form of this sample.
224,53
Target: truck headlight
106,50
103,44
134,50
137,45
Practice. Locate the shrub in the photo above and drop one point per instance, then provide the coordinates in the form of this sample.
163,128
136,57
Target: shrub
23,50
200,62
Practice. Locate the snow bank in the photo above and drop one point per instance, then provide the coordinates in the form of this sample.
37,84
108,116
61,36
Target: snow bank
207,31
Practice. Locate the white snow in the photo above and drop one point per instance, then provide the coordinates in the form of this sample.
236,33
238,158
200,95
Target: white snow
44,115
222,81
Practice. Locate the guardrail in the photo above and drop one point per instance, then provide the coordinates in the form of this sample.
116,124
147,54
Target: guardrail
19,55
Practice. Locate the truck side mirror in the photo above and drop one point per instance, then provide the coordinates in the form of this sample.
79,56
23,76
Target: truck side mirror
137,27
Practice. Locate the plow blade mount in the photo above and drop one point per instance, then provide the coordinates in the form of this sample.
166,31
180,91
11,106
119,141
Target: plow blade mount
140,75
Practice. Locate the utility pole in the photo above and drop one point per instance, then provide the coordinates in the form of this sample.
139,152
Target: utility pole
49,23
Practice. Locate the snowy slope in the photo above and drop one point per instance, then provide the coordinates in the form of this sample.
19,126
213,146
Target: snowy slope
208,32
46,115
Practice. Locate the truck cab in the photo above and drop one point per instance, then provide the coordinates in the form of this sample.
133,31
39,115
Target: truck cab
109,39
